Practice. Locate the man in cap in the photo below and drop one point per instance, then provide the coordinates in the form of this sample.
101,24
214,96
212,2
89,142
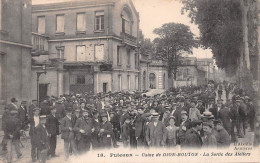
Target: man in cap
192,137
222,136
60,109
209,139
83,129
126,131
194,113
12,134
43,139
224,116
156,132
96,126
139,126
34,122
215,110
184,127
67,133
13,104
114,120
52,125
105,132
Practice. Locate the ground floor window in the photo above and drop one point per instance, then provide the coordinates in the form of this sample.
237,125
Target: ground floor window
152,79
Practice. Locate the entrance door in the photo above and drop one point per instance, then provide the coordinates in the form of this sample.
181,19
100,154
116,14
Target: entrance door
105,87
43,88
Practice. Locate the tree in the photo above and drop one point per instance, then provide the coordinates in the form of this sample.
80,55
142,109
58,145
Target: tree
173,39
146,46
220,24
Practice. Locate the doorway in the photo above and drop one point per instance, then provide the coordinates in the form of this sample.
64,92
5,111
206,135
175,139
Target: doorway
105,87
43,90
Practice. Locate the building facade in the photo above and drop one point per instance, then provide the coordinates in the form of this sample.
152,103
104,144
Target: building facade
88,46
15,50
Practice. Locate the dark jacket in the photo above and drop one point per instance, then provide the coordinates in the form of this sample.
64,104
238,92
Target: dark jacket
125,133
192,139
223,139
156,134
30,110
12,128
60,111
209,141
22,114
106,135
42,138
65,132
83,124
139,124
224,116
182,132
215,111
45,108
52,125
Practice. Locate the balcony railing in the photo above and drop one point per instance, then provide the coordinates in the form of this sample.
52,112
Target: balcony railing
128,37
39,44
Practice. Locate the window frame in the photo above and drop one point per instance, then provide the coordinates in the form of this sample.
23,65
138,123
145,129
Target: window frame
77,52
85,28
42,16
128,82
119,56
128,53
95,58
99,21
56,30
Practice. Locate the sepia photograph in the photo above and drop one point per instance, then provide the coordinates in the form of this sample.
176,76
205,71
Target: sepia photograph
85,81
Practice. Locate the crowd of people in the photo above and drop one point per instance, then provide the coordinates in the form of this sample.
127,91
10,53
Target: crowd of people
189,117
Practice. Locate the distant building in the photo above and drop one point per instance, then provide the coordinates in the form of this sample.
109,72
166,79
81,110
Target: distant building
15,50
89,46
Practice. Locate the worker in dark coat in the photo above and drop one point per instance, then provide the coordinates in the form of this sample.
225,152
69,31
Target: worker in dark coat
114,120
200,106
34,122
192,137
139,124
96,126
208,140
215,110
234,115
43,139
60,109
12,134
31,107
105,132
67,133
156,134
22,115
52,125
242,110
45,108
222,136
184,127
224,116
83,130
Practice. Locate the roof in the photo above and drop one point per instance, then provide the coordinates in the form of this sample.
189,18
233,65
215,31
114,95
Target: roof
71,4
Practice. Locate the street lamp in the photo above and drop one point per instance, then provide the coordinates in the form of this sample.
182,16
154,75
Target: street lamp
38,76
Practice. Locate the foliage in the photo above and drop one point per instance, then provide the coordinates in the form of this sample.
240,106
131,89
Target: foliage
173,39
146,46
220,24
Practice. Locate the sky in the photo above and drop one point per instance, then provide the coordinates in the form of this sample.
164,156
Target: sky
153,14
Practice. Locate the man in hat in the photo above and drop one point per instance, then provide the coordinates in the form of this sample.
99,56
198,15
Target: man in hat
234,115
43,139
60,109
52,125
156,132
194,113
83,129
192,137
12,134
31,107
34,122
13,104
215,110
209,139
224,116
105,132
67,133
96,126
222,136
22,115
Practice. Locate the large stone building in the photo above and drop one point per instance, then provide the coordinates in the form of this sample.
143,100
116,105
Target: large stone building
15,50
86,46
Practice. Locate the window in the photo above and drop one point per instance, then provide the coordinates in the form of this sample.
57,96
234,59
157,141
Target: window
81,51
60,52
105,87
128,57
100,20
136,60
152,79
118,56
126,22
120,82
128,82
81,22
41,24
99,53
136,83
144,80
60,23
164,81
80,79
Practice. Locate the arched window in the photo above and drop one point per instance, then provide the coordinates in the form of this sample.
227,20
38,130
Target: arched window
127,21
144,80
152,79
